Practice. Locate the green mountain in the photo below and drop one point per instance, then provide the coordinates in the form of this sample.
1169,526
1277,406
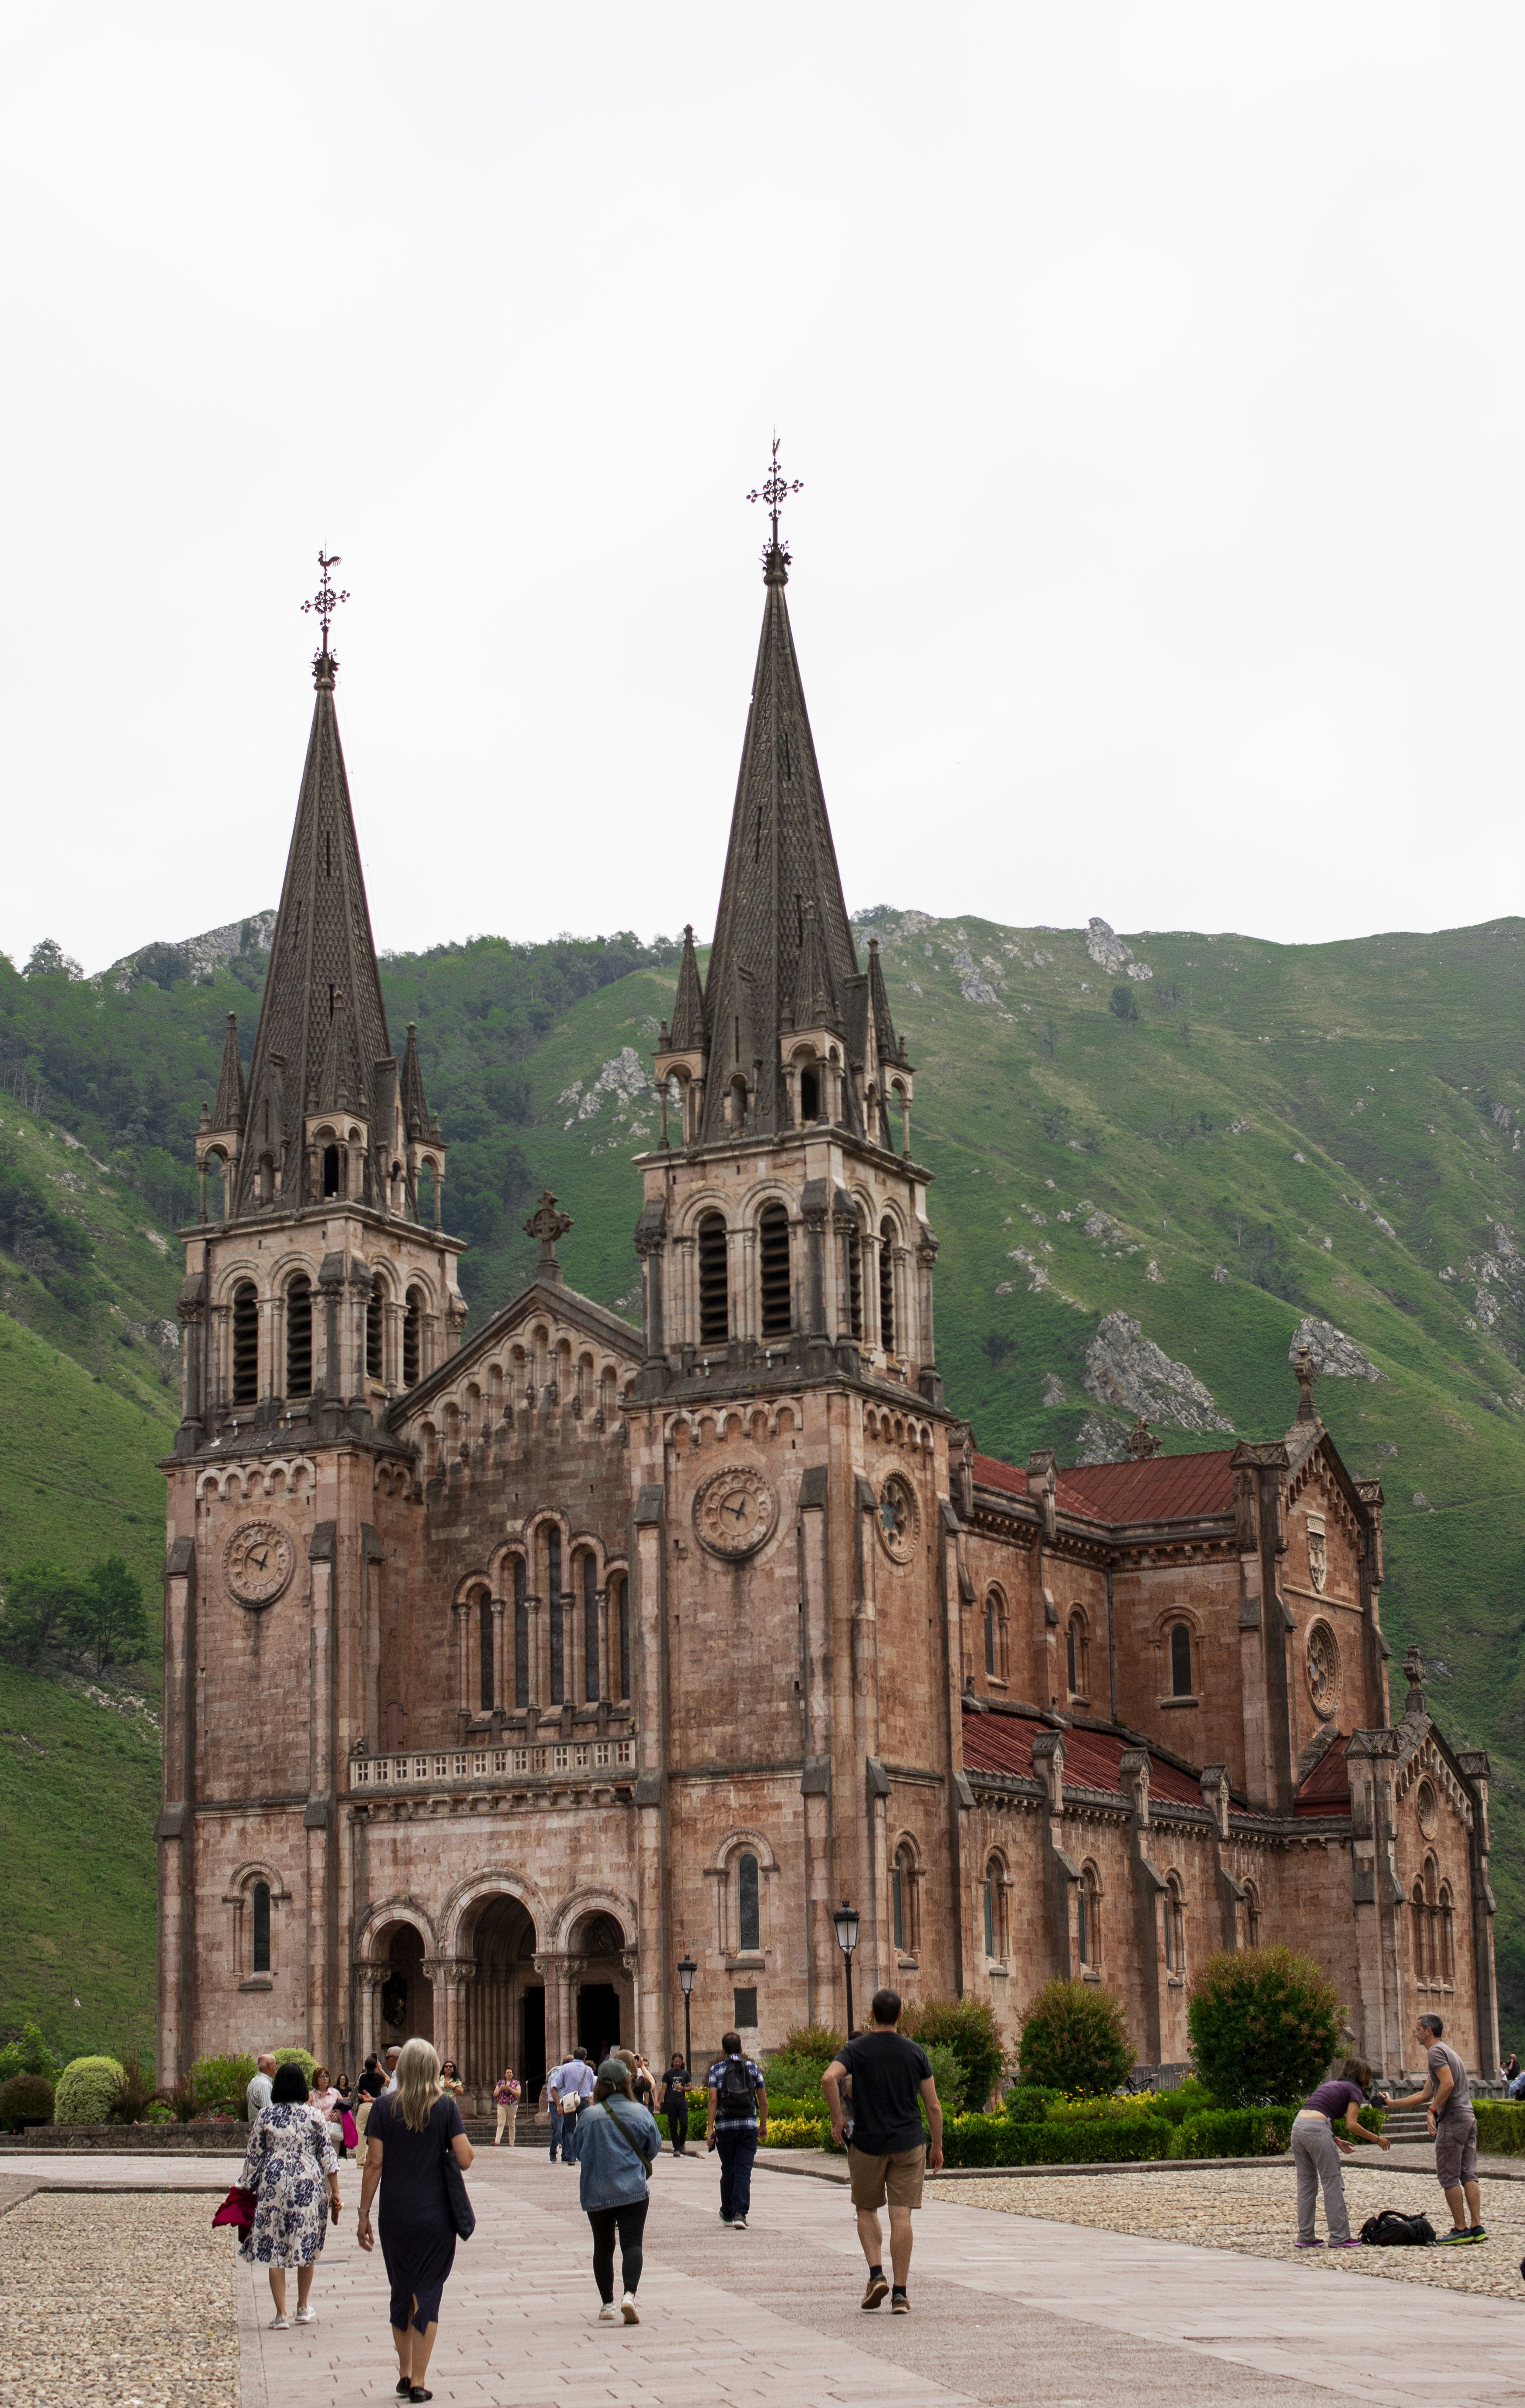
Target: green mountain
1194,1144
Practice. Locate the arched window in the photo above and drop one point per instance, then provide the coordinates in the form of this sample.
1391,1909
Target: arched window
412,1338
521,1633
259,1955
748,1905
245,1343
373,1333
852,1239
739,1102
904,1903
887,1286
591,1689
1252,1916
485,1650
299,1337
429,1195
715,1285
330,1171
1077,1650
619,1606
1175,1927
990,1637
1447,1934
1421,1932
773,1260
993,1902
553,1601
810,1095
1089,1916
1181,1685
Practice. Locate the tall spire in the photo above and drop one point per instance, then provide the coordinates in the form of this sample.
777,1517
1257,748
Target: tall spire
688,1028
415,1109
781,874
323,1029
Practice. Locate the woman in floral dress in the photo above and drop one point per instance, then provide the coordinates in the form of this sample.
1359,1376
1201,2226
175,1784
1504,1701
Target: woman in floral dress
292,2172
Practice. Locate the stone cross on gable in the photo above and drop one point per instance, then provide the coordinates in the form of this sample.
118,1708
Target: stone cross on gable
1308,1372
1141,1442
547,1224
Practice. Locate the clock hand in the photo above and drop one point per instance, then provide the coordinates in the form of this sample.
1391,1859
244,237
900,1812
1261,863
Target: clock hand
738,1509
260,1560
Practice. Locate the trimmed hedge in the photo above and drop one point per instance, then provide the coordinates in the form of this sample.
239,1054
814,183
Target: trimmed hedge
1500,2126
27,2097
1234,2132
996,2141
87,2090
302,2056
793,2132
1028,2103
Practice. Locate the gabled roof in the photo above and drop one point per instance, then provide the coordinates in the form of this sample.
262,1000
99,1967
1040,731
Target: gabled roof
1327,1790
548,1297
1003,1743
1165,1489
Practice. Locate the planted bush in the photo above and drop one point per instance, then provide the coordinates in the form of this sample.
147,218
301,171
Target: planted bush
1264,2025
1028,2103
87,2088
793,2132
26,2098
969,2028
1191,2099
1234,2132
302,2056
1074,2039
996,2141
221,2081
1500,2126
31,2053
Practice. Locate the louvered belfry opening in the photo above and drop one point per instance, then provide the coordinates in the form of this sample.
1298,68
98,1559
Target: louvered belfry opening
373,1335
774,1248
715,1285
245,1343
887,1286
412,1331
299,1337
855,1281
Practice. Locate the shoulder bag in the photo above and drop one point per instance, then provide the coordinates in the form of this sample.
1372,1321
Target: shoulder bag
462,2214
630,2143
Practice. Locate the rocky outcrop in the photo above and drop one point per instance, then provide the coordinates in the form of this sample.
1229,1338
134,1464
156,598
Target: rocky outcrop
1334,1356
1108,950
1101,1441
1131,1373
193,957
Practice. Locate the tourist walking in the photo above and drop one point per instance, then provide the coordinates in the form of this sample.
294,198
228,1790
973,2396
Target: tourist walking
738,2119
506,2096
568,2087
449,2081
370,2085
344,2094
886,2158
1453,2123
390,2062
614,2143
289,2159
411,2130
257,2095
642,2088
324,2097
675,2105
552,2100
1318,2146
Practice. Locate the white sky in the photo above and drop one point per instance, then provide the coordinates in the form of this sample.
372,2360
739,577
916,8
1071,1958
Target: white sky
1156,374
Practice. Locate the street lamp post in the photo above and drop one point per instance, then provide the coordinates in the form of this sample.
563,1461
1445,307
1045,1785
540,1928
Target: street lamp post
846,1920
687,1970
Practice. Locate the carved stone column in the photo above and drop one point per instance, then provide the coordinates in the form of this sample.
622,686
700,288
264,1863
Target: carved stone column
370,1979
448,1976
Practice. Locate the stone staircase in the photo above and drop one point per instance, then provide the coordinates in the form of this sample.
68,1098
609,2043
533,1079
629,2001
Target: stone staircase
1406,2125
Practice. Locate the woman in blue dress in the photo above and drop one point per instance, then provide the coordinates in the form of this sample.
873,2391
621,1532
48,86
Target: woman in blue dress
407,2137
292,2172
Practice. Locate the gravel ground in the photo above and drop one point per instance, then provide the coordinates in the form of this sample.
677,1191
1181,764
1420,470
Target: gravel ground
1254,2209
122,2300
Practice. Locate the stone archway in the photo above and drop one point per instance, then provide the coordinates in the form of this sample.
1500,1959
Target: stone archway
505,2002
405,2006
603,2003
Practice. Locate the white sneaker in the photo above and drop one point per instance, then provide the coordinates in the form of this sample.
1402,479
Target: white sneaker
280,2324
739,2224
628,2309
306,2316
609,2314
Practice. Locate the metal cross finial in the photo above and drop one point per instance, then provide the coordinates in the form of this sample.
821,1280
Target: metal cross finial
547,1224
774,490
325,601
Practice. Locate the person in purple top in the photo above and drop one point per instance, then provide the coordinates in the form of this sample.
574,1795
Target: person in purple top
1318,2146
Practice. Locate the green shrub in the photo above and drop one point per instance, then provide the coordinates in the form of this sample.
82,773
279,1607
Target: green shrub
31,2053
87,2090
794,2077
1500,2126
969,2028
996,2141
1028,2103
1103,2111
302,2056
1192,2098
792,2132
1074,2039
222,2081
1264,2025
817,2042
1234,2132
158,2110
28,2095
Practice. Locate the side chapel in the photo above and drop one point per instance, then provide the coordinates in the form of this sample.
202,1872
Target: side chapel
502,1672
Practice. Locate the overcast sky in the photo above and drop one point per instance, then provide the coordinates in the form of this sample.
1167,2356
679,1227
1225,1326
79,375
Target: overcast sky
1156,375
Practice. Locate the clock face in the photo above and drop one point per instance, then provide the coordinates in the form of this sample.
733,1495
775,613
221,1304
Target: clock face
257,1562
734,1511
898,1519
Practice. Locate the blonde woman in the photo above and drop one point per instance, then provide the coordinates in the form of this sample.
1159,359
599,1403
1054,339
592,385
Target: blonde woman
409,2130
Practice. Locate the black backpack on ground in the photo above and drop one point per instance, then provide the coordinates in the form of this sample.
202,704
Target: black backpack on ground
734,2092
1392,2230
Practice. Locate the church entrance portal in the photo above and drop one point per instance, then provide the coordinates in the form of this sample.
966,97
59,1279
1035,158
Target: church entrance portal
407,2003
601,1994
505,2004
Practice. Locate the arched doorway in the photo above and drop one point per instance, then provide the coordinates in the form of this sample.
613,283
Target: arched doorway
603,2005
405,2008
505,2004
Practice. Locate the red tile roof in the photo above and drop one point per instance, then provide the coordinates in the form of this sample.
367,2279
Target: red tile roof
1327,1790
1003,1743
1167,1488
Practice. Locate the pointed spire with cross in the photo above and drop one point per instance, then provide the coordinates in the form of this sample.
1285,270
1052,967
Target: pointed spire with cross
325,602
775,490
547,1224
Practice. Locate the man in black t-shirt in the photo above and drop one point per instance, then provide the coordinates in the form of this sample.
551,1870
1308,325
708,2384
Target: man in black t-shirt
887,2152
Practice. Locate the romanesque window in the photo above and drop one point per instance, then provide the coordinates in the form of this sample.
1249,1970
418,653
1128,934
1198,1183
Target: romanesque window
904,1884
1252,1916
521,1633
1090,1908
373,1333
853,1249
773,1260
1447,1935
591,1689
553,1601
1175,1927
714,1284
1077,1652
259,1904
245,1343
299,1337
810,1094
412,1336
331,1171
748,1905
485,1651
990,1637
995,1636
993,1904
887,1285
739,1102
1180,1666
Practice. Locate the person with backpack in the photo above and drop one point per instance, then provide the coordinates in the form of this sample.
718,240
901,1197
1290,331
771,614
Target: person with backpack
614,2145
1453,2123
886,2147
1318,2146
738,2120
675,2105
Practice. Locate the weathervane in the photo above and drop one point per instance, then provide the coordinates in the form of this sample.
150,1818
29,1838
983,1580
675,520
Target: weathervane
325,601
774,490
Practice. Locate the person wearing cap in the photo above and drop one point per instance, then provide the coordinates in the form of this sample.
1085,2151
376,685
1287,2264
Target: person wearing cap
614,2143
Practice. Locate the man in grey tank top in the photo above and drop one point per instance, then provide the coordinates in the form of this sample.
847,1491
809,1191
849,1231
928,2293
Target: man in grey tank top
1448,2095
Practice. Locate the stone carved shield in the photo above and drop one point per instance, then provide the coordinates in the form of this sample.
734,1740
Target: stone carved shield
1317,1556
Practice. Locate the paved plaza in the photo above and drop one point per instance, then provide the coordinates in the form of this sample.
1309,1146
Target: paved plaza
1006,2307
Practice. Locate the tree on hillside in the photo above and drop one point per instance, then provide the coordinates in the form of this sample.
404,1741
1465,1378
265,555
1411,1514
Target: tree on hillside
1124,1005
40,1599
106,1619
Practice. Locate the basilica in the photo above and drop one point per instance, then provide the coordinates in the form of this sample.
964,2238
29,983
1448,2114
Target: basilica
508,1672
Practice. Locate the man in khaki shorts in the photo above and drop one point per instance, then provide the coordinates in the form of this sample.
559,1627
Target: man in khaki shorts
887,2151
1453,2121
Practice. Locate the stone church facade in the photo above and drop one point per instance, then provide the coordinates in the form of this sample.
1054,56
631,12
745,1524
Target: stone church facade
503,1670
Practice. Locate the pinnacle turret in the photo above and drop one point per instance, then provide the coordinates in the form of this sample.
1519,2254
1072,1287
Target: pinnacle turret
688,1024
228,1113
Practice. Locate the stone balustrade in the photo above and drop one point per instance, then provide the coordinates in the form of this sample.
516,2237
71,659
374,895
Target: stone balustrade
423,1769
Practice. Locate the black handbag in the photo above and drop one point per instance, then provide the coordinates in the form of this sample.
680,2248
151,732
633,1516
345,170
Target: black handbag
462,2214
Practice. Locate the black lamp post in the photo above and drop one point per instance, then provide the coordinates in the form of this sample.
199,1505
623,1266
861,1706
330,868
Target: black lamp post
687,1970
845,1919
